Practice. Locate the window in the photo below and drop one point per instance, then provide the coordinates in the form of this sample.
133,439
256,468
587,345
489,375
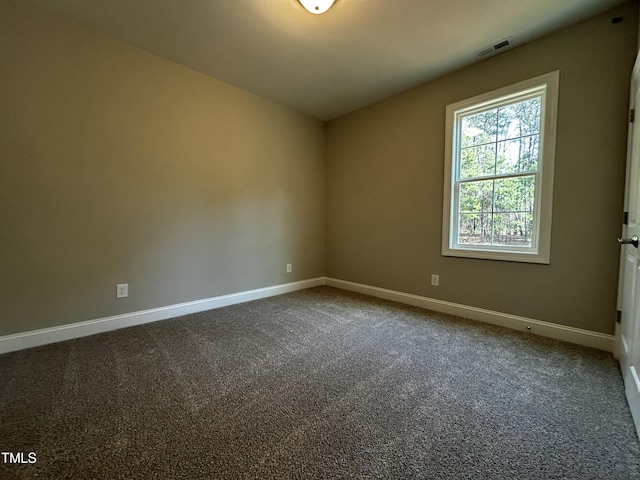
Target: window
498,189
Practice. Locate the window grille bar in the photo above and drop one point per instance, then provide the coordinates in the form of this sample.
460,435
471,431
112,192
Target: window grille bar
537,134
528,173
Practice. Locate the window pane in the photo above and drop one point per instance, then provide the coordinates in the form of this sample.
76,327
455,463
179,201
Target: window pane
476,196
497,212
519,155
514,194
478,161
519,119
479,129
475,229
513,229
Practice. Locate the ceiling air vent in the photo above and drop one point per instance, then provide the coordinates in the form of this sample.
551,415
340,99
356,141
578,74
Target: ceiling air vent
491,49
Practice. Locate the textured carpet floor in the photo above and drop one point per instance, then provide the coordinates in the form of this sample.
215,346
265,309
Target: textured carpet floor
316,384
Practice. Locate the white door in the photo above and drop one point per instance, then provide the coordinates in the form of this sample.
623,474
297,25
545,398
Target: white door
628,333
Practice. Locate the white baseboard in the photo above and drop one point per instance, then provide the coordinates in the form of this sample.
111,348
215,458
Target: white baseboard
35,338
579,336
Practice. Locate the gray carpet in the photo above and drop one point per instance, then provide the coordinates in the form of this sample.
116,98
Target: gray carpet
316,384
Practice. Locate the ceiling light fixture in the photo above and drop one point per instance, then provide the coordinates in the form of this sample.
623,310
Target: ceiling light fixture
316,6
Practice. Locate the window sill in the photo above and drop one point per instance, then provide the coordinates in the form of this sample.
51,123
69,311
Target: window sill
500,255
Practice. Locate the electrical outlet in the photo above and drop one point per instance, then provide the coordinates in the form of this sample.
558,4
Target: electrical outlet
122,290
288,268
435,280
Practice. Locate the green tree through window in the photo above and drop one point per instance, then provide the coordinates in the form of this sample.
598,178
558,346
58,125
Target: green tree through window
498,142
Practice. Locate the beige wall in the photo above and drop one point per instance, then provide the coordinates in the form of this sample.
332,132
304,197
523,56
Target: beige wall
119,166
385,179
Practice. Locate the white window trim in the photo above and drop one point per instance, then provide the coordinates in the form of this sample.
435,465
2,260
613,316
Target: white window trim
540,252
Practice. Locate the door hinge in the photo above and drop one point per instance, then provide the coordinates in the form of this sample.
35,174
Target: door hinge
632,115
618,316
625,218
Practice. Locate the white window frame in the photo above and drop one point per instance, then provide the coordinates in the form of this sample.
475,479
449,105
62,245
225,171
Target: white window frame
539,252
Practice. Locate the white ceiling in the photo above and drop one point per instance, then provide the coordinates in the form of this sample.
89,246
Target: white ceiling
326,65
